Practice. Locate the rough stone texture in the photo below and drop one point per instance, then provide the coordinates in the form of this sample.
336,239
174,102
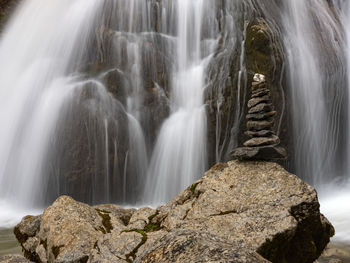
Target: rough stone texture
262,133
264,143
260,115
259,125
257,86
185,245
254,101
238,212
13,259
261,107
267,153
260,141
260,92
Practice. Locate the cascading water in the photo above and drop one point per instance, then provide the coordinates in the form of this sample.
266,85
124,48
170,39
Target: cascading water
335,196
180,152
34,84
315,49
90,142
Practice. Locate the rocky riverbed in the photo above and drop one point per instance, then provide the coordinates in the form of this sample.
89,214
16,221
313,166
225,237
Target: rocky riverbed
240,211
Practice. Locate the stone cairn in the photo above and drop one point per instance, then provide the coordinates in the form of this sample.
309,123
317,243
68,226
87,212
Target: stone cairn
263,144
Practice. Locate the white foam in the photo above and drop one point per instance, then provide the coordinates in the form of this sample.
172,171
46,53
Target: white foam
11,215
335,205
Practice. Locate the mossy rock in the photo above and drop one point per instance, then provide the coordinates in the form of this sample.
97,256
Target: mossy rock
262,52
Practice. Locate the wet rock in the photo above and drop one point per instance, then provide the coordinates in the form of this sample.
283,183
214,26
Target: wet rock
260,141
259,125
238,212
261,107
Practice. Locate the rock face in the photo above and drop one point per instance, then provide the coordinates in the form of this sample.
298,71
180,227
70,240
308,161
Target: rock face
263,144
238,212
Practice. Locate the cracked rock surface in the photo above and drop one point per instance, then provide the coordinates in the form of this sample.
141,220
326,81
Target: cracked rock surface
238,212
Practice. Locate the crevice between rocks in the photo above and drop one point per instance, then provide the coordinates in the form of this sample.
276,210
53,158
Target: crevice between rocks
106,221
150,227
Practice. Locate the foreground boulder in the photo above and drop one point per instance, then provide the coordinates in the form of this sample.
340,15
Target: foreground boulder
238,212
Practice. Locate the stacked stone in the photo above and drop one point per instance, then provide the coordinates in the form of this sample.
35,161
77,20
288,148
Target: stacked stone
263,144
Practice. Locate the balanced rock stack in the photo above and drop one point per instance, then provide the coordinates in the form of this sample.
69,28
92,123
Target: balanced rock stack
263,144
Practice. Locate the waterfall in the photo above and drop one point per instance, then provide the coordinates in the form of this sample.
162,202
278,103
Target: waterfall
106,102
314,44
179,157
313,41
335,196
35,67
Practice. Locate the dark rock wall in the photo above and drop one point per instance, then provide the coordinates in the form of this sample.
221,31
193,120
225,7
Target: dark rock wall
258,49
7,7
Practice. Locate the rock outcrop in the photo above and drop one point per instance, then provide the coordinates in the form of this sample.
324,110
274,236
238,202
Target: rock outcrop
263,143
238,212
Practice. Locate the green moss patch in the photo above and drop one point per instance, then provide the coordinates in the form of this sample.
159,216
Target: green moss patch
150,227
132,255
106,221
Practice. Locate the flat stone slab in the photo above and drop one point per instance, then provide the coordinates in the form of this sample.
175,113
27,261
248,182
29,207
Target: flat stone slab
261,116
262,133
260,125
260,108
258,85
260,141
260,92
270,152
255,101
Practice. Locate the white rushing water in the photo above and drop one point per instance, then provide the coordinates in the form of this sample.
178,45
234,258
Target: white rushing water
335,196
35,67
180,152
315,51
335,204
43,91
310,39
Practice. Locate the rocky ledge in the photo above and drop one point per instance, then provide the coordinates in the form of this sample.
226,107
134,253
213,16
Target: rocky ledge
238,212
